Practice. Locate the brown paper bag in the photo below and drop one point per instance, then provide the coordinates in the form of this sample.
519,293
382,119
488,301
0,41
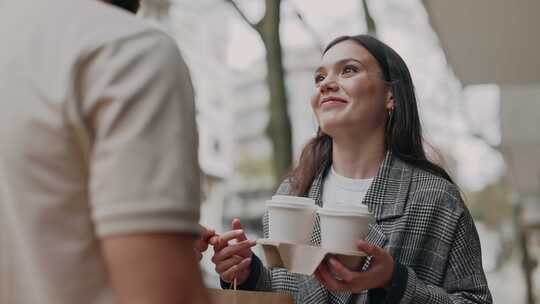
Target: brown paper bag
219,296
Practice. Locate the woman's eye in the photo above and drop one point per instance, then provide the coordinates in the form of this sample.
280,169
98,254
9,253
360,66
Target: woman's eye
349,69
319,78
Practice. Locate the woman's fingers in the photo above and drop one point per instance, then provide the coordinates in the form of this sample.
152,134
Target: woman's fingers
381,265
319,277
372,250
236,225
223,240
379,273
231,250
340,270
224,265
237,249
229,275
366,247
328,280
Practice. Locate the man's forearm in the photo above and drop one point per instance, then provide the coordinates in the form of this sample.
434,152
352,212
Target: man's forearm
154,268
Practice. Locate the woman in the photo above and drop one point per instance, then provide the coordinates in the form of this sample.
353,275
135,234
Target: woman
368,150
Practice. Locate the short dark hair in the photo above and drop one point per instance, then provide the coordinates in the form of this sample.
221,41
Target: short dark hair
130,5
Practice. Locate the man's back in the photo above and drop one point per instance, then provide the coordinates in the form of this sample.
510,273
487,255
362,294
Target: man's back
84,108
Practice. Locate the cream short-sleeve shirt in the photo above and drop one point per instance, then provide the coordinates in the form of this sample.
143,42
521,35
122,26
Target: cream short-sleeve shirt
97,138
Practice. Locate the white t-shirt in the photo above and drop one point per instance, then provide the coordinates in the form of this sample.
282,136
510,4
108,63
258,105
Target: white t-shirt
97,138
343,192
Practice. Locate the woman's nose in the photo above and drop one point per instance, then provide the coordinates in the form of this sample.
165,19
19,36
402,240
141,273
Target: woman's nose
328,85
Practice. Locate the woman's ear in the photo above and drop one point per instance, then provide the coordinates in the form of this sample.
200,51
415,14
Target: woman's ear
390,103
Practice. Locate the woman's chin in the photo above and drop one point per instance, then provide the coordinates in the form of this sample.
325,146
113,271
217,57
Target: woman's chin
331,127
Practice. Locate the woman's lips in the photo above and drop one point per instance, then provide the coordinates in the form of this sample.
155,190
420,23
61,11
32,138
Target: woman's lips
330,101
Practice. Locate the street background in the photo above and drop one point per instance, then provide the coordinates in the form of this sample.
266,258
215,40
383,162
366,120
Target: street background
477,77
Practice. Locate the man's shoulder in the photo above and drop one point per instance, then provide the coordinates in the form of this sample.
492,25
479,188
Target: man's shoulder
100,23
87,24
90,27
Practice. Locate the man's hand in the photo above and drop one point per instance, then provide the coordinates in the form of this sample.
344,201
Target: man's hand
201,245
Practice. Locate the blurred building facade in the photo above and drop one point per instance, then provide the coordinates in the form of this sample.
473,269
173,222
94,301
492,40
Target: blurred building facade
482,49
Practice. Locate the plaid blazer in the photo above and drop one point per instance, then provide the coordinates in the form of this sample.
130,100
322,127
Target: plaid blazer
422,222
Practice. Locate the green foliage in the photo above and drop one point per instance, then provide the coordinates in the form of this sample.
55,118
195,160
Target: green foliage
249,167
490,205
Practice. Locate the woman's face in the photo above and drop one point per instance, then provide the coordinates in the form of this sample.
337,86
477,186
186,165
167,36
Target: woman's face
350,94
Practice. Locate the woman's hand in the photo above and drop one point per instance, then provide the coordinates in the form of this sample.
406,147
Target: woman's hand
232,260
378,275
202,243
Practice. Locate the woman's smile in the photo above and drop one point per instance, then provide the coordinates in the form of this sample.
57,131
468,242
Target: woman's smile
333,101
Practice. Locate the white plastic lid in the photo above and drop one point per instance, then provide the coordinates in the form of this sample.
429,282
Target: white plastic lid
349,211
270,204
295,202
289,199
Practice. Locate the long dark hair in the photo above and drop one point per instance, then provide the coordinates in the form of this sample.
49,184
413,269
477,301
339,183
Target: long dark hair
403,135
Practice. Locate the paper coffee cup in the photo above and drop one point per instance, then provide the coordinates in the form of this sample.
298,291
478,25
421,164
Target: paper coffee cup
290,218
342,228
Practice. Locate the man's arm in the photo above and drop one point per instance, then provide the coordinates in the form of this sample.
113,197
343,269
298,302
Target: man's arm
154,268
138,109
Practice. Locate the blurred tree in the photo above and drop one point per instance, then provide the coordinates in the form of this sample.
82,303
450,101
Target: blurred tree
279,127
371,26
318,43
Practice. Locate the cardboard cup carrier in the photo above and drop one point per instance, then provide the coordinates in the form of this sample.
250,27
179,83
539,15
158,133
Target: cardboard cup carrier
290,222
